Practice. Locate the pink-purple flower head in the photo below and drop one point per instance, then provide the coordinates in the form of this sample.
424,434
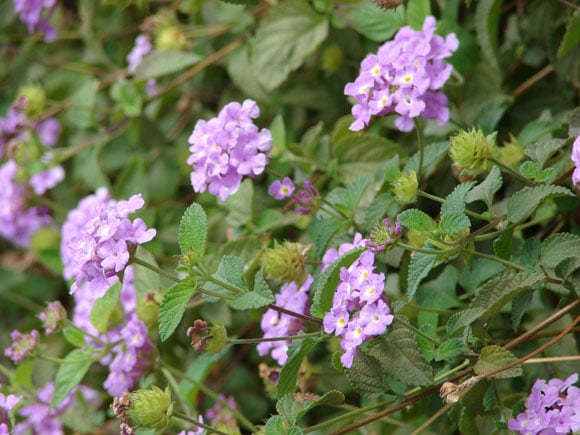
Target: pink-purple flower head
23,345
98,238
404,77
552,407
35,14
228,148
281,189
576,159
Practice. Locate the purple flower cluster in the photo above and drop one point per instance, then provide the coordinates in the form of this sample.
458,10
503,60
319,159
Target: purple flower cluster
404,77
41,418
359,310
142,48
383,235
275,324
228,148
222,417
6,404
22,345
576,159
552,407
98,238
35,14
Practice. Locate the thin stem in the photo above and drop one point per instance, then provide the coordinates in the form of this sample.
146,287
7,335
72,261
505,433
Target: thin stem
431,419
508,263
261,340
222,284
181,416
155,269
532,80
304,317
441,200
553,359
424,250
417,331
512,171
216,294
420,140
88,334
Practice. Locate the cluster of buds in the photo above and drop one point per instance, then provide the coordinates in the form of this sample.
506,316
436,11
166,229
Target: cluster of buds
53,317
205,338
383,235
286,262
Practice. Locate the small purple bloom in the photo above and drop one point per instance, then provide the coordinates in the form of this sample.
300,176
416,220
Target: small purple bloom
35,14
142,47
48,131
281,189
46,180
576,159
22,345
52,317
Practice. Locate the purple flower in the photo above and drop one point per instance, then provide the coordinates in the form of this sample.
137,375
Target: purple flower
281,189
142,47
228,148
48,131
404,77
576,159
97,240
275,324
6,404
35,14
52,317
383,235
22,345
334,254
13,126
307,198
45,180
553,406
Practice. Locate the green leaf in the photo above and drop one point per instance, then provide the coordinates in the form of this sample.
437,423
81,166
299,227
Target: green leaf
173,306
487,15
243,2
240,71
559,247
524,202
534,131
449,349
294,406
378,208
74,336
520,305
374,23
297,351
417,10
145,280
399,356
417,220
323,230
261,296
71,373
160,63
275,426
572,36
104,308
492,296
433,154
366,376
291,32
455,201
327,282
127,97
486,190
192,232
420,266
502,246
83,102
453,223
541,150
231,272
494,357
354,192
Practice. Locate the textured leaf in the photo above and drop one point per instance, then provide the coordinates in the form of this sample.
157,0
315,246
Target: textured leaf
433,154
572,36
420,266
74,336
541,150
261,296
173,306
297,351
455,201
104,308
192,232
160,63
417,10
230,272
486,26
399,356
291,32
275,426
559,247
365,375
449,349
83,101
374,23
486,190
453,223
416,220
525,201
240,70
71,373
520,305
534,130
354,192
327,282
323,230
294,406
494,357
502,246
378,208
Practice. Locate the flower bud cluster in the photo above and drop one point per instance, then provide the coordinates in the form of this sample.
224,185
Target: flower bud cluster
383,235
228,148
22,345
404,77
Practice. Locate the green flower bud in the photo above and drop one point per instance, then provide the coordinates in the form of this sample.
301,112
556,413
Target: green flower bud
205,338
286,262
150,408
511,153
471,149
218,338
35,100
170,39
405,186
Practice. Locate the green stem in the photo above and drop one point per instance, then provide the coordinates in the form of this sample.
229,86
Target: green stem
216,294
88,334
294,314
441,200
208,392
261,340
222,284
425,251
420,142
417,331
175,388
512,171
181,416
496,259
155,269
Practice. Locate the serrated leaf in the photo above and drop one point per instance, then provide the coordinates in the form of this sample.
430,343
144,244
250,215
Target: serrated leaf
294,406
520,305
418,220
541,150
261,296
323,230
354,192
494,357
455,201
297,351
419,267
449,349
104,308
173,306
327,282
291,32
492,296
231,273
365,375
192,233
486,25
374,23
502,246
572,36
378,208
71,373
399,356
559,247
486,190
534,131
531,251
417,10
160,63
453,223
525,201
433,154
275,426
427,347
